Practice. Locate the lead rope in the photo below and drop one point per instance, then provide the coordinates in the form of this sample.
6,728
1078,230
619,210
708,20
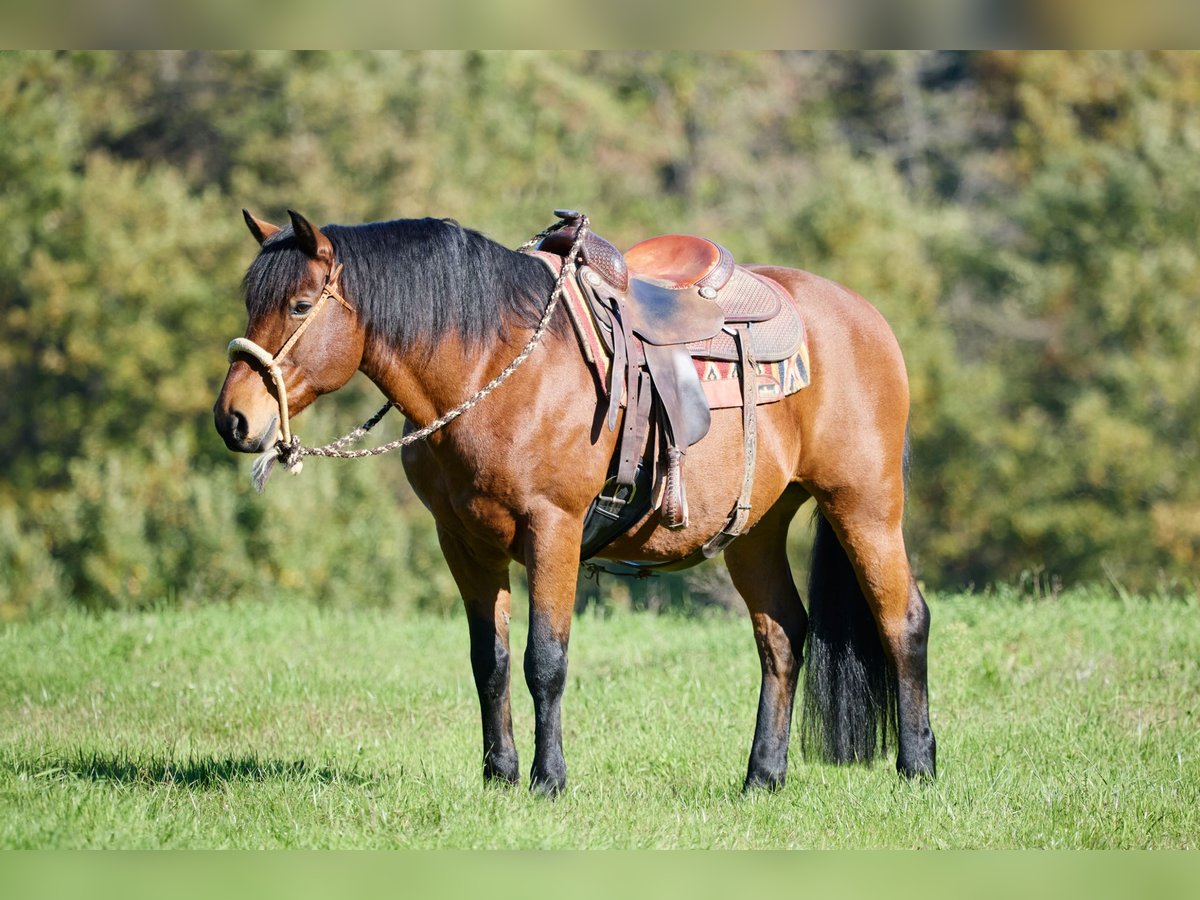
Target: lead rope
291,453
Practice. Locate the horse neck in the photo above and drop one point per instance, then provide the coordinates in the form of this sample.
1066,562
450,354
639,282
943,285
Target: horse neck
425,382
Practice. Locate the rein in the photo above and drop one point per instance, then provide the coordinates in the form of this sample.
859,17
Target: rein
289,451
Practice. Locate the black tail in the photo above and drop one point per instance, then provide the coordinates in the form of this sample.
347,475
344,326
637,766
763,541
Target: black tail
850,684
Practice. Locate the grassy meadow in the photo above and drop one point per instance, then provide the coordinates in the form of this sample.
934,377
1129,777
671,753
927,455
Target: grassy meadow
1069,722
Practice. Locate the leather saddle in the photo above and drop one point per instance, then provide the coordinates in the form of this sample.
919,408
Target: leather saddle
661,304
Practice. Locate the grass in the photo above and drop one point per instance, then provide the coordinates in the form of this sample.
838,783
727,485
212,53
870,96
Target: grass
1064,723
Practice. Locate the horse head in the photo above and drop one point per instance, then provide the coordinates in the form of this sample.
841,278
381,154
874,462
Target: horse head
303,338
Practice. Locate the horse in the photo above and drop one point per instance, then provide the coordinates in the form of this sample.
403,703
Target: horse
430,311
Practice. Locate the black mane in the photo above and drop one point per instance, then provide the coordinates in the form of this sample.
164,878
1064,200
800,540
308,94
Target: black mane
413,281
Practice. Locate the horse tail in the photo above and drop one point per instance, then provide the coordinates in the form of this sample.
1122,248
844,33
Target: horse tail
849,684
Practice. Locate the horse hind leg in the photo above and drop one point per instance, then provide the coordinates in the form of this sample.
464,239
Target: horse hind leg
758,566
869,630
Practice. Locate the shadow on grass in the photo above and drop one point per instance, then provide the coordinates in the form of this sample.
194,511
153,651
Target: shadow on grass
195,772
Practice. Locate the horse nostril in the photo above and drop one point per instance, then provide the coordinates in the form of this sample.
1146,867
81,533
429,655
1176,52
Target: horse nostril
237,425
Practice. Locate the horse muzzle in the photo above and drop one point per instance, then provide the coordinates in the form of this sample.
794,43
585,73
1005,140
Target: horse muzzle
233,427
245,347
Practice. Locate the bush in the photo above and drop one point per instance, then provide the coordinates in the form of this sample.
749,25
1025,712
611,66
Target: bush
133,532
31,578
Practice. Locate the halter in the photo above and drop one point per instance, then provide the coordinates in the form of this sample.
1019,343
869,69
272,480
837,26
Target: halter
271,363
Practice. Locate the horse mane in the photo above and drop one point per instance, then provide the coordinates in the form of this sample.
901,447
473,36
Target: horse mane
414,282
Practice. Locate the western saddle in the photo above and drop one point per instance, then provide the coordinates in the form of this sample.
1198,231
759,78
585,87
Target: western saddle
663,303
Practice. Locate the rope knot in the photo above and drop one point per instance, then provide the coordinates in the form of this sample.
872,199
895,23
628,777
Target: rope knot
290,453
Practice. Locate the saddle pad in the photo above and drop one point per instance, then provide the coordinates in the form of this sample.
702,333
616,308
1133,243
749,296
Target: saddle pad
776,380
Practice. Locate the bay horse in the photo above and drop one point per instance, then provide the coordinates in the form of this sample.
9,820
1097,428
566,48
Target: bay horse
430,311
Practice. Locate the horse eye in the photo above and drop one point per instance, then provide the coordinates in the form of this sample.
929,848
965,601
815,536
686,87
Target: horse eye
301,308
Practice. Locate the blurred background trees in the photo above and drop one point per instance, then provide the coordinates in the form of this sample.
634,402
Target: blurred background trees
1026,221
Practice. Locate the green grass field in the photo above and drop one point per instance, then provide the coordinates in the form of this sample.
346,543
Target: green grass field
1064,723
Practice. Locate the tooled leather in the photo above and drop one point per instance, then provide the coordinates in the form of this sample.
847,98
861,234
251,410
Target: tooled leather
720,274
674,510
747,296
595,251
606,259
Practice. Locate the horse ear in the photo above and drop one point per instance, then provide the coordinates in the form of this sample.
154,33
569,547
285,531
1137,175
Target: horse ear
310,239
260,229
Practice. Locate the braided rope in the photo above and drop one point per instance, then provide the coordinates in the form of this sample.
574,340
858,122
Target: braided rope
292,453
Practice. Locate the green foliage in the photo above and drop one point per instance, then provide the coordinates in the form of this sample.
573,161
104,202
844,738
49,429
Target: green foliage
144,533
136,533
32,577
1026,221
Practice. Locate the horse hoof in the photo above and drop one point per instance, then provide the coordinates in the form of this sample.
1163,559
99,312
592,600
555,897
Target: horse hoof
764,781
546,785
501,779
923,770
499,769
921,764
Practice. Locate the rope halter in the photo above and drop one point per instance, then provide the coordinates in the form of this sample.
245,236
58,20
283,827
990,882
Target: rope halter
247,347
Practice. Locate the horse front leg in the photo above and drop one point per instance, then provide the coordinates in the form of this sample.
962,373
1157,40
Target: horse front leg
552,558
482,580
